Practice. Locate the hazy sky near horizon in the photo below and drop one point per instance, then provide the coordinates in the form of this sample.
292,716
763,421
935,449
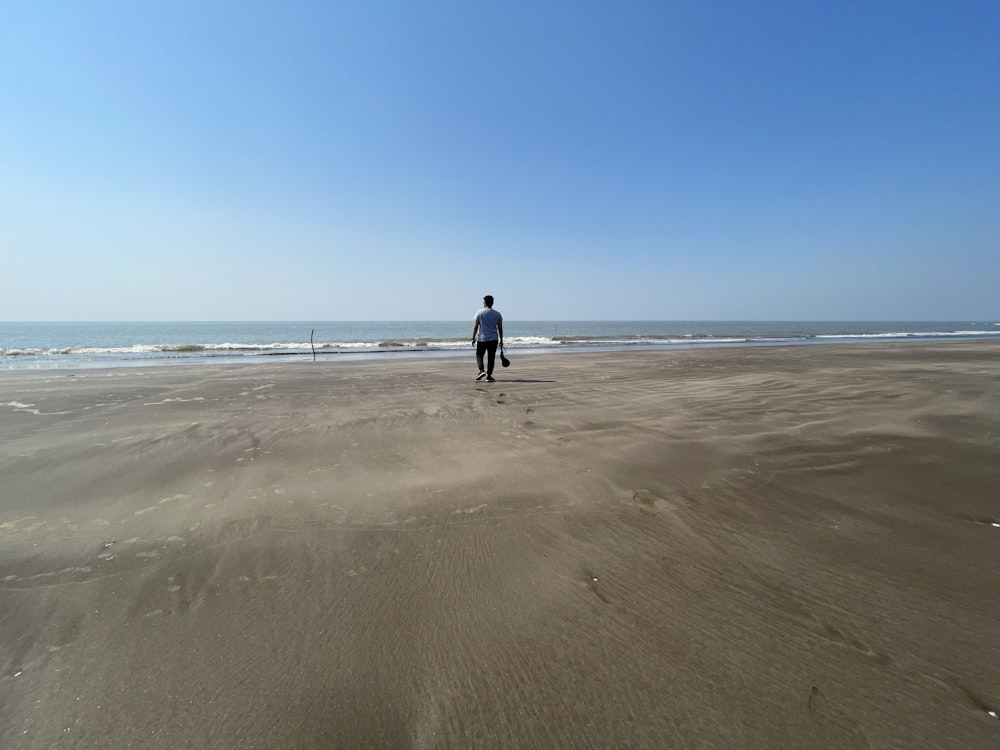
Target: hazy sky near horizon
578,160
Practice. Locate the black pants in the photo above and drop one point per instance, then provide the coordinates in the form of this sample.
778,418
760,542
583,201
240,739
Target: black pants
488,348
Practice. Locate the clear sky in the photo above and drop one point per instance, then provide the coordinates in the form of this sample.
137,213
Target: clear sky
579,160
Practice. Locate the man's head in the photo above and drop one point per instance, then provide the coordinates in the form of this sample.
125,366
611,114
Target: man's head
488,300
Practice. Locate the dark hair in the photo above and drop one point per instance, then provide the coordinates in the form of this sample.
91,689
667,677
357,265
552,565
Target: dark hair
488,299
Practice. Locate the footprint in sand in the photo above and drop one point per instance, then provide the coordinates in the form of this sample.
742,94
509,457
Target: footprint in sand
648,502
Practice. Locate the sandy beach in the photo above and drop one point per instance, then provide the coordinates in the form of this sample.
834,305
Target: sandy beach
761,547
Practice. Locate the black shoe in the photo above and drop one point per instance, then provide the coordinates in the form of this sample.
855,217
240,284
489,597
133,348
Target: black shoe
490,379
480,376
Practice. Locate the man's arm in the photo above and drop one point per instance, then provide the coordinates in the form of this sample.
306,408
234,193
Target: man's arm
500,330
475,327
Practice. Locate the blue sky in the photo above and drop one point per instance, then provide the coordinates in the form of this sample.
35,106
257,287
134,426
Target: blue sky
579,160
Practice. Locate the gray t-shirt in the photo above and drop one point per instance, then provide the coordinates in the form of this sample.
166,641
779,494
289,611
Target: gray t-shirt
488,319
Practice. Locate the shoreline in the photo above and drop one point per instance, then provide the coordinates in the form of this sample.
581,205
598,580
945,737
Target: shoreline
95,346
394,355
756,546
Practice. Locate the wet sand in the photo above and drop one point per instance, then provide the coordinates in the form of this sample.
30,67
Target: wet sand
788,547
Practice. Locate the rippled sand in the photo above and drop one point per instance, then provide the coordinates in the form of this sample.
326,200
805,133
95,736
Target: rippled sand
726,548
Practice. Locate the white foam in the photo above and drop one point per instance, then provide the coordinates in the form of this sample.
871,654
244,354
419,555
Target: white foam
529,340
903,335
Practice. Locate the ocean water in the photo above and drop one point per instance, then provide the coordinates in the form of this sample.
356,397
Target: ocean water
89,345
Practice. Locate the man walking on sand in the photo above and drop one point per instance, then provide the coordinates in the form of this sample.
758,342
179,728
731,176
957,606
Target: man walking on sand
487,333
